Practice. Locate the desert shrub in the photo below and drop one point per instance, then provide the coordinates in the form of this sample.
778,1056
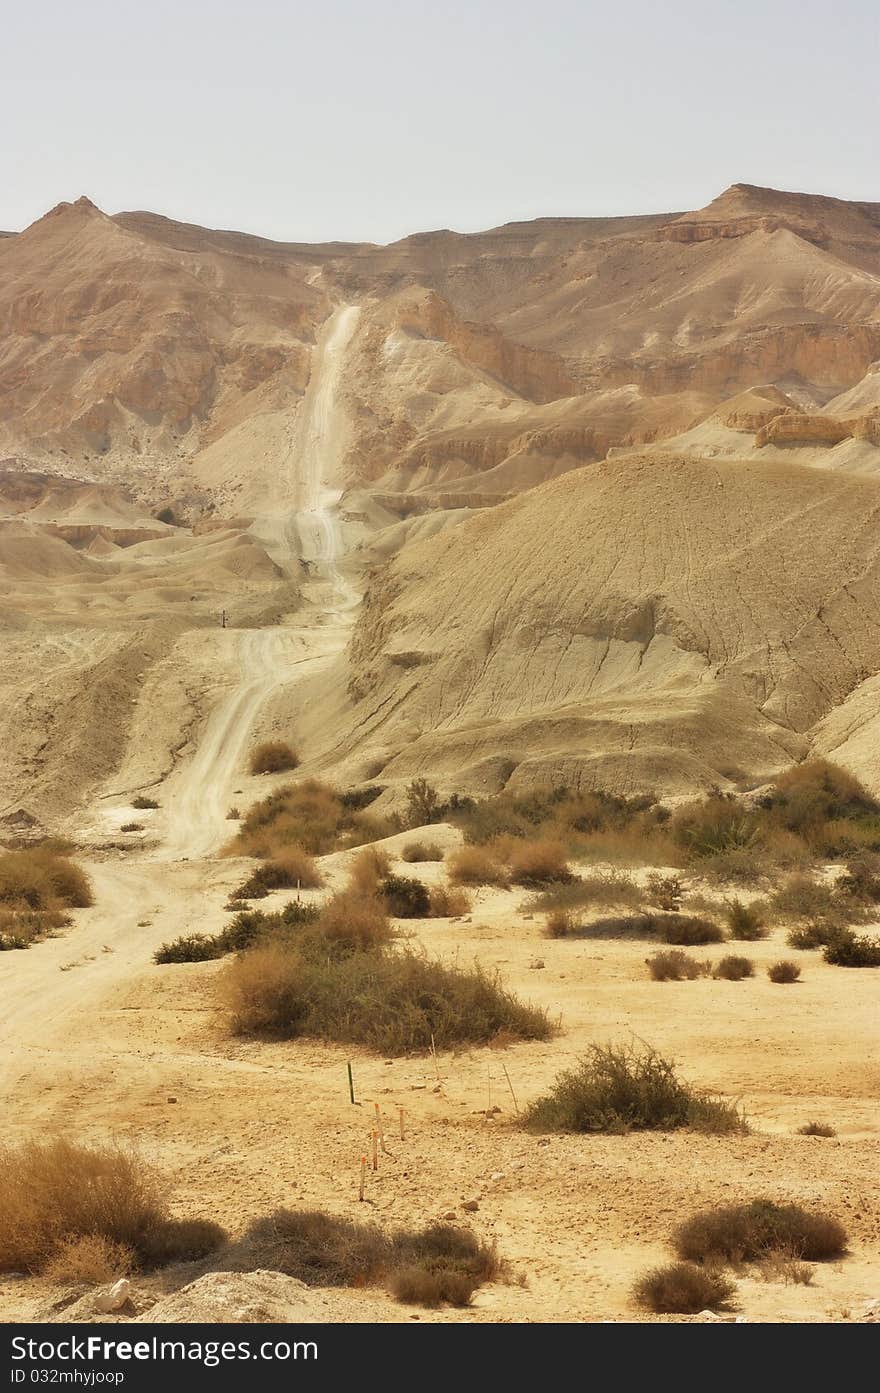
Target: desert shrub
189,948
600,889
90,1258
781,1266
812,936
142,803
802,898
746,922
664,891
132,827
273,757
233,815
19,928
560,924
352,921
683,1288
784,971
861,878
180,1240
42,879
447,902
816,1129
846,949
474,865
360,798
423,804
368,868
293,868
422,851
394,1003
619,1089
717,824
748,1232
405,897
307,814
674,966
425,1266
685,929
816,792
733,968
539,863
55,1191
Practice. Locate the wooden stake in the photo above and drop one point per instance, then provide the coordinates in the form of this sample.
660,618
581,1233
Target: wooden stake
402,1134
375,1135
350,1082
363,1178
380,1129
510,1086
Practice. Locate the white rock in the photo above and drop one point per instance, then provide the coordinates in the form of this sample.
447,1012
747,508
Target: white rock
113,1297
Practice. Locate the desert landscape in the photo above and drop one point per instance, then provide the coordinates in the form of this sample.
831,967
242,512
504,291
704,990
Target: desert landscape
440,805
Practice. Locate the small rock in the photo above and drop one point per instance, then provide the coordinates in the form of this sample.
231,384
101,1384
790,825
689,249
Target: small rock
497,1175
449,1216
113,1297
471,1206
536,963
171,1098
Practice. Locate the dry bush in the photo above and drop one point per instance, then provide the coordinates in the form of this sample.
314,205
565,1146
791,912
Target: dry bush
746,922
88,1257
664,891
816,1129
714,826
683,1288
142,803
812,936
681,930
394,1003
19,928
539,863
54,1192
353,921
804,899
180,1240
784,971
748,1232
783,1266
560,924
675,966
733,968
448,902
605,889
423,1266
368,868
308,814
619,1089
292,869
247,928
273,757
475,865
846,949
132,827
422,851
41,879
405,897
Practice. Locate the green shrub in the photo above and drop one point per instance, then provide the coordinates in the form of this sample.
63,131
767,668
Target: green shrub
733,968
618,1089
747,1232
189,948
423,804
294,868
813,936
247,928
683,1288
845,949
405,897
746,922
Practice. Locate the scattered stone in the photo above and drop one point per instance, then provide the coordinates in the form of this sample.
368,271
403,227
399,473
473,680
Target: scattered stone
449,1216
497,1175
471,1206
113,1298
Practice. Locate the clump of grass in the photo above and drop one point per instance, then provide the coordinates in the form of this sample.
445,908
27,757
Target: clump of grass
37,886
426,1267
675,966
620,1089
812,936
308,814
273,757
781,1266
142,802
448,902
248,927
422,851
746,922
57,1192
784,971
406,897
846,949
392,1002
475,865
686,929
233,815
560,924
748,1232
733,968
683,1288
180,1240
816,1129
540,862
604,890
19,928
132,827
353,921
189,948
293,868
681,930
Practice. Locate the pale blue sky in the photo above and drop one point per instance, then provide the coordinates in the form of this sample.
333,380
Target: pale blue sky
369,121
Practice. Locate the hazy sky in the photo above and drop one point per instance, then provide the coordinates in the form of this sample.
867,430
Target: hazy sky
368,121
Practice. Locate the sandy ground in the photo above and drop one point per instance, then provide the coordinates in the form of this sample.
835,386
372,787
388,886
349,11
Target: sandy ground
97,1041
